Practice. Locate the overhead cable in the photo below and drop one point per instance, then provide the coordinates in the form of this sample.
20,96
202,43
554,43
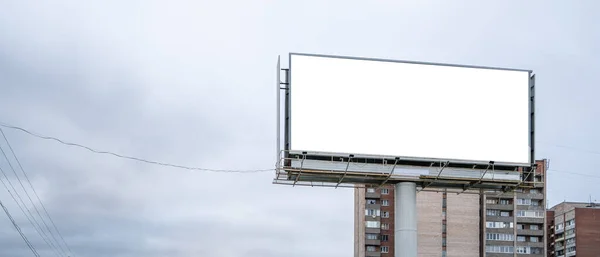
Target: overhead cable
138,159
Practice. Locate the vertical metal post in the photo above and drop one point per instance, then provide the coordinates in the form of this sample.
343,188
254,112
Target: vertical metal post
405,230
278,112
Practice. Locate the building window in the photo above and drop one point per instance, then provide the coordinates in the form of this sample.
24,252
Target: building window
372,224
372,236
505,214
493,212
385,238
498,249
534,239
491,201
385,249
492,224
371,201
499,237
385,202
385,214
534,227
521,238
371,248
370,190
520,226
385,226
521,201
372,212
535,203
385,191
530,214
570,232
505,202
443,253
523,249
443,241
534,191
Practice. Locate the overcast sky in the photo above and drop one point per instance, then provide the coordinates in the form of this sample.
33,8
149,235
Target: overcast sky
191,82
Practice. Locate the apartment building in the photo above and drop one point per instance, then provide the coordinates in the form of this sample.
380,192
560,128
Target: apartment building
450,224
574,230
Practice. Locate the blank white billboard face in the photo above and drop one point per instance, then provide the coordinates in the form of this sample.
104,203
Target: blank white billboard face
341,105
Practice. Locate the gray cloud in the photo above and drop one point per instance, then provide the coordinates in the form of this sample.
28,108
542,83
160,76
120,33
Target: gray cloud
192,83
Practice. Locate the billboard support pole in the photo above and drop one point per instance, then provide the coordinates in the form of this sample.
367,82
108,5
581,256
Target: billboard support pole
405,231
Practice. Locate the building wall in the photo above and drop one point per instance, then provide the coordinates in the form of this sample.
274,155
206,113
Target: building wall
359,222
550,233
429,226
587,231
463,225
390,221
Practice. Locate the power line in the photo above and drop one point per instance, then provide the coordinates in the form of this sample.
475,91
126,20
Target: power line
37,196
130,157
30,200
569,147
575,173
26,210
35,253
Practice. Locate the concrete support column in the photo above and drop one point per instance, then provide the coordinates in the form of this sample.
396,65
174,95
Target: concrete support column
405,230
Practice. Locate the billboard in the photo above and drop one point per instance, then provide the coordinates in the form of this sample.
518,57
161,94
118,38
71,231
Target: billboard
422,111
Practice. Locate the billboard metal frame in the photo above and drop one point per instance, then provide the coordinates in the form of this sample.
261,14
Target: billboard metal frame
299,175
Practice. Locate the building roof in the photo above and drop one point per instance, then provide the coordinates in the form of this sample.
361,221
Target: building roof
567,206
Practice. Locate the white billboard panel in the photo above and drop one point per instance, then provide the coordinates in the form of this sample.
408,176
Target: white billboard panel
389,108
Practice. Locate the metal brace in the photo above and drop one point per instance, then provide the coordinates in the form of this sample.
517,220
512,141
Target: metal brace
491,164
301,166
437,177
391,172
345,171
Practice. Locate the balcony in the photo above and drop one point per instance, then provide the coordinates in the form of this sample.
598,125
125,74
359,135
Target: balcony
372,254
531,244
529,232
538,196
372,230
373,206
375,195
530,207
536,220
559,230
504,207
371,218
372,242
569,254
499,218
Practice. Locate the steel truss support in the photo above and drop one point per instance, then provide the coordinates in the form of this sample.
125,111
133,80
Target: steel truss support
345,171
391,172
490,165
436,177
301,166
